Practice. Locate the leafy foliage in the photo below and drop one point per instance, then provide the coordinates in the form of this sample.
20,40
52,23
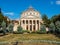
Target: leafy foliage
10,27
3,27
55,18
46,20
20,30
57,23
1,17
52,28
42,29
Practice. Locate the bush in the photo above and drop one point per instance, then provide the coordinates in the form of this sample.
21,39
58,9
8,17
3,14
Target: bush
34,32
42,29
19,30
52,28
38,32
41,32
3,27
57,26
10,28
27,31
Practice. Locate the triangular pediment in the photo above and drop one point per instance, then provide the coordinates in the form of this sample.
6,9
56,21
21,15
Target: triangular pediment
30,16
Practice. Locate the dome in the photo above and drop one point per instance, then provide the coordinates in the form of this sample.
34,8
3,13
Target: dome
30,13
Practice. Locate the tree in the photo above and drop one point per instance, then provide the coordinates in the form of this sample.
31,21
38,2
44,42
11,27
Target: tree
10,28
55,18
52,27
1,17
42,29
57,23
46,21
3,27
20,30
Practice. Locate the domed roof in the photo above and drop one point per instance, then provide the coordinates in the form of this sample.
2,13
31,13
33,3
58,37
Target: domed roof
30,13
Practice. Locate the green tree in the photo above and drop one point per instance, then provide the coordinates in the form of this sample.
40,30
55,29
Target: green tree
42,29
1,17
52,27
55,18
10,28
3,27
46,21
57,23
20,30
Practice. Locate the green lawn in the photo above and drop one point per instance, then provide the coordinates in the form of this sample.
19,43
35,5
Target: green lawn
32,39
14,37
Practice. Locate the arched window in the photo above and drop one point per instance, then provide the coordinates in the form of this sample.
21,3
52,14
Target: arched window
26,21
34,27
30,27
23,21
27,27
33,21
37,21
30,21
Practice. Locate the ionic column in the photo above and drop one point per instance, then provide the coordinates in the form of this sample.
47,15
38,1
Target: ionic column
39,24
36,24
29,25
25,24
19,22
32,25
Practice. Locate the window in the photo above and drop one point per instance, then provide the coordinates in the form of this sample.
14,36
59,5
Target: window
27,27
30,21
33,21
26,21
23,21
37,21
34,27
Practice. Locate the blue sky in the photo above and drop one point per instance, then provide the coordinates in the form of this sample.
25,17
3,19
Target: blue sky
13,8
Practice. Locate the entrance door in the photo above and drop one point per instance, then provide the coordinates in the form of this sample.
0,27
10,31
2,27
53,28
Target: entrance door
30,27
34,27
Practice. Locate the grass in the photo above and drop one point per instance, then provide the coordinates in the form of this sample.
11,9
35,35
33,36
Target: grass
23,37
15,37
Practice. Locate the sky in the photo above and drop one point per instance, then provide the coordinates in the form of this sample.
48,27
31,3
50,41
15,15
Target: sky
14,8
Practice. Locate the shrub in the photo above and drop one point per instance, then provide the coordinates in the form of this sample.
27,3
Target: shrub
3,27
42,29
57,26
19,29
34,32
10,28
52,28
27,31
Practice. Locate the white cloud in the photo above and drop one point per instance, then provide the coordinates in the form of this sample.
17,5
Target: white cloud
58,2
9,13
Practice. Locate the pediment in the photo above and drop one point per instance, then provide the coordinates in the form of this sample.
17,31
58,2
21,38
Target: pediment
30,16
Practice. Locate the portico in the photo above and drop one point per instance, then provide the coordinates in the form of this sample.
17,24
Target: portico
30,20
31,25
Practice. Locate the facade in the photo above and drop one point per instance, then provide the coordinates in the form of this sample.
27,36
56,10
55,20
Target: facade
16,24
30,19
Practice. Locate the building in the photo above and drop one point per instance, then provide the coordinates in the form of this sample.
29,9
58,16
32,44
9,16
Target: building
30,19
